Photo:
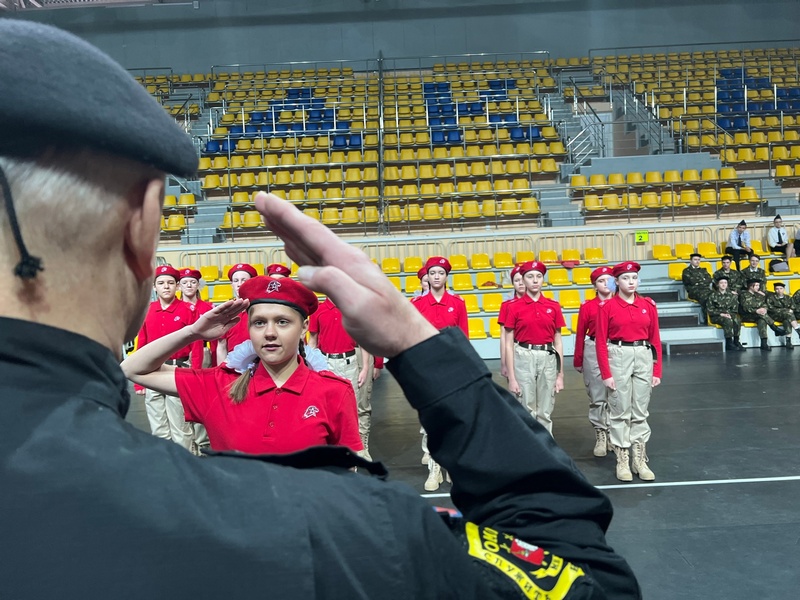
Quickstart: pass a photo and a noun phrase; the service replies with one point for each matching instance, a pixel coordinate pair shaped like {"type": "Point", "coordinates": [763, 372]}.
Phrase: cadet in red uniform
{"type": "Point", "coordinates": [278, 271]}
{"type": "Point", "coordinates": [585, 361]}
{"type": "Point", "coordinates": [237, 274]}
{"type": "Point", "coordinates": [629, 356]}
{"type": "Point", "coordinates": [166, 315]}
{"type": "Point", "coordinates": [344, 358]}
{"type": "Point", "coordinates": [279, 405]}
{"type": "Point", "coordinates": [442, 309]}
{"type": "Point", "coordinates": [424, 282]}
{"type": "Point", "coordinates": [519, 291]}
{"type": "Point", "coordinates": [534, 350]}
{"type": "Point", "coordinates": [189, 284]}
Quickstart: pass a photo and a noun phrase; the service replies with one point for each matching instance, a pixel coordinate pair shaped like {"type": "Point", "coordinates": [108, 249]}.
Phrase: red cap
{"type": "Point", "coordinates": [514, 272]}
{"type": "Point", "coordinates": [421, 273]}
{"type": "Point", "coordinates": [599, 272]}
{"type": "Point", "coordinates": [532, 265]}
{"type": "Point", "coordinates": [190, 273]}
{"type": "Point", "coordinates": [626, 267]}
{"type": "Point", "coordinates": [242, 267]}
{"type": "Point", "coordinates": [438, 261]}
{"type": "Point", "coordinates": [278, 269]}
{"type": "Point", "coordinates": [168, 270]}
{"type": "Point", "coordinates": [263, 289]}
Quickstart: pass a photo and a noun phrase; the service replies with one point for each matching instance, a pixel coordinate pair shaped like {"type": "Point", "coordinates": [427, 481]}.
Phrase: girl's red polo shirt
{"type": "Point", "coordinates": [310, 409]}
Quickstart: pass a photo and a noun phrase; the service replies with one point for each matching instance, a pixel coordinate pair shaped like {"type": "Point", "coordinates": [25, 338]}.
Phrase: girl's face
{"type": "Point", "coordinates": [276, 331]}
{"type": "Point", "coordinates": [189, 286]}
{"type": "Point", "coordinates": [533, 282]}
{"type": "Point", "coordinates": [627, 283]}
{"type": "Point", "coordinates": [166, 287]}
{"type": "Point", "coordinates": [437, 278]}
{"type": "Point", "coordinates": [519, 285]}
{"type": "Point", "coordinates": [425, 283]}
{"type": "Point", "coordinates": [237, 280]}
{"type": "Point", "coordinates": [602, 285]}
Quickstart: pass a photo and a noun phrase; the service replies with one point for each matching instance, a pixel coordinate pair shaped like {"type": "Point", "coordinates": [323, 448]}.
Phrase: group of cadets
{"type": "Point", "coordinates": [731, 296]}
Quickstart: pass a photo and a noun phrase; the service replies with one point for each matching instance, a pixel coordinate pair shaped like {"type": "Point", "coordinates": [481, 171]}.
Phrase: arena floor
{"type": "Point", "coordinates": [722, 519]}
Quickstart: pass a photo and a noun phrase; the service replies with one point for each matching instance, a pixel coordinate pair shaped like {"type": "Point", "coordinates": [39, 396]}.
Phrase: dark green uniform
{"type": "Point", "coordinates": [735, 280]}
{"type": "Point", "coordinates": [796, 302]}
{"type": "Point", "coordinates": [725, 302]}
{"type": "Point", "coordinates": [780, 308]}
{"type": "Point", "coordinates": [697, 282]}
{"type": "Point", "coordinates": [758, 274]}
{"type": "Point", "coordinates": [749, 303]}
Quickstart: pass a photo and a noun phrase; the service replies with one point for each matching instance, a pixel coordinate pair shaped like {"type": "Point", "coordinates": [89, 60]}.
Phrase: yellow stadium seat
{"type": "Point", "coordinates": [412, 212]}
{"type": "Point", "coordinates": [492, 302]}
{"type": "Point", "coordinates": [495, 330]}
{"type": "Point", "coordinates": [582, 276]}
{"type": "Point", "coordinates": [682, 251]}
{"type": "Point", "coordinates": [480, 261]}
{"type": "Point", "coordinates": [484, 280]}
{"type": "Point", "coordinates": [675, 271]}
{"type": "Point", "coordinates": [390, 264]}
{"type": "Point", "coordinates": [412, 264]}
{"type": "Point", "coordinates": [252, 220]}
{"type": "Point", "coordinates": [471, 303]}
{"type": "Point", "coordinates": [395, 281]}
{"type": "Point", "coordinates": [524, 256]}
{"type": "Point", "coordinates": [708, 250]}
{"type": "Point", "coordinates": [749, 194]}
{"type": "Point", "coordinates": [477, 331]}
{"type": "Point", "coordinates": [558, 277]}
{"type": "Point", "coordinates": [231, 220]}
{"type": "Point", "coordinates": [170, 201]}
{"type": "Point", "coordinates": [175, 223]}
{"type": "Point", "coordinates": [431, 211]}
{"type": "Point", "coordinates": [209, 273]}
{"type": "Point", "coordinates": [548, 256]}
{"type": "Point", "coordinates": [663, 252]}
{"type": "Point", "coordinates": [412, 284]}
{"type": "Point", "coordinates": [458, 262]}
{"type": "Point", "coordinates": [502, 260]}
{"type": "Point", "coordinates": [370, 214]}
{"type": "Point", "coordinates": [222, 292]}
{"type": "Point", "coordinates": [462, 282]}
{"type": "Point", "coordinates": [594, 255]}
{"type": "Point", "coordinates": [569, 299]}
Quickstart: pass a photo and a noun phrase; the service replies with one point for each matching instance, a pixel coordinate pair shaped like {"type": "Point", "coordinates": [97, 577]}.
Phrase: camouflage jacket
{"type": "Point", "coordinates": [749, 302]}
{"type": "Point", "coordinates": [719, 302]}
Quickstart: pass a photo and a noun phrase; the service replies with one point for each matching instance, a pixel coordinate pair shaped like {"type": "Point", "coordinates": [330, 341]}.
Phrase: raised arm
{"type": "Point", "coordinates": [146, 366]}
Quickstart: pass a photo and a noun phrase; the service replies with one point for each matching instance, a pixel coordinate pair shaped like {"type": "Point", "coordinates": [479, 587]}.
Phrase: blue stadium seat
{"type": "Point", "coordinates": [794, 93]}
{"type": "Point", "coordinates": [437, 137]}
{"type": "Point", "coordinates": [256, 117]}
{"type": "Point", "coordinates": [737, 95]}
{"type": "Point", "coordinates": [313, 126]}
{"type": "Point", "coordinates": [339, 142]}
{"type": "Point", "coordinates": [511, 84]}
{"type": "Point", "coordinates": [293, 93]}
{"type": "Point", "coordinates": [212, 147]}
{"type": "Point", "coordinates": [510, 118]}
{"type": "Point", "coordinates": [476, 108]}
{"type": "Point", "coordinates": [328, 114]}
{"type": "Point", "coordinates": [342, 125]}
{"type": "Point", "coordinates": [434, 122]}
{"type": "Point", "coordinates": [725, 123]}
{"type": "Point", "coordinates": [428, 87]}
{"type": "Point", "coordinates": [355, 141]}
{"type": "Point", "coordinates": [534, 133]}
{"type": "Point", "coordinates": [463, 108]}
{"type": "Point", "coordinates": [495, 118]}
{"type": "Point", "coordinates": [251, 130]}
{"type": "Point", "coordinates": [443, 86]}
{"type": "Point", "coordinates": [737, 107]}
{"type": "Point", "coordinates": [281, 127]}
{"type": "Point", "coordinates": [327, 125]}
{"type": "Point", "coordinates": [447, 110]}
{"type": "Point", "coordinates": [495, 84]}
{"type": "Point", "coordinates": [315, 115]}
{"type": "Point", "coordinates": [783, 105]}
{"type": "Point", "coordinates": [723, 96]}
{"type": "Point", "coordinates": [766, 106]}
{"type": "Point", "coordinates": [236, 131]}
{"type": "Point", "coordinates": [739, 124]}
{"type": "Point", "coordinates": [227, 146]}
{"type": "Point", "coordinates": [449, 122]}
{"type": "Point", "coordinates": [517, 134]}
{"type": "Point", "coordinates": [454, 136]}
{"type": "Point", "coordinates": [297, 127]}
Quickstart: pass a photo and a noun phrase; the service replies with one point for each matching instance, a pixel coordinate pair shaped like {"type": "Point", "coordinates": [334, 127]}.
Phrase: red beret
{"type": "Point", "coordinates": [532, 265]}
{"type": "Point", "coordinates": [263, 289]}
{"type": "Point", "coordinates": [514, 272]}
{"type": "Point", "coordinates": [191, 273]}
{"type": "Point", "coordinates": [167, 270]}
{"type": "Point", "coordinates": [438, 261]}
{"type": "Point", "coordinates": [626, 267]}
{"type": "Point", "coordinates": [242, 267]}
{"type": "Point", "coordinates": [278, 269]}
{"type": "Point", "coordinates": [599, 272]}
{"type": "Point", "coordinates": [421, 273]}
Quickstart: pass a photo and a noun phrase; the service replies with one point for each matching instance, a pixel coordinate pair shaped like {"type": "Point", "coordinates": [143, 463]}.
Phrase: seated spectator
{"type": "Point", "coordinates": [735, 279]}
{"type": "Point", "coordinates": [696, 280]}
{"type": "Point", "coordinates": [781, 308]}
{"type": "Point", "coordinates": [755, 272]}
{"type": "Point", "coordinates": [753, 309]}
{"type": "Point", "coordinates": [723, 309]}
{"type": "Point", "coordinates": [778, 239]}
{"type": "Point", "coordinates": [739, 244]}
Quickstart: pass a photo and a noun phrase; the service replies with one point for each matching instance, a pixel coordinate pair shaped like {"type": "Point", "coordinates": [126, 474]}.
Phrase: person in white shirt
{"type": "Point", "coordinates": [739, 243]}
{"type": "Point", "coordinates": [778, 239]}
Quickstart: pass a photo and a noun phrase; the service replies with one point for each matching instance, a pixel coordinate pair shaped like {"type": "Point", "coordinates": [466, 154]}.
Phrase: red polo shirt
{"type": "Point", "coordinates": [501, 318]}
{"type": "Point", "coordinates": [327, 323]}
{"type": "Point", "coordinates": [587, 325]}
{"type": "Point", "coordinates": [450, 311]}
{"type": "Point", "coordinates": [201, 307]}
{"type": "Point", "coordinates": [618, 320]}
{"type": "Point", "coordinates": [534, 321]}
{"type": "Point", "coordinates": [163, 321]}
{"type": "Point", "coordinates": [310, 409]}
{"type": "Point", "coordinates": [238, 333]}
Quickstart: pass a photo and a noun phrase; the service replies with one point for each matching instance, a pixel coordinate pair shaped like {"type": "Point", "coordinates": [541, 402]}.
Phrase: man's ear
{"type": "Point", "coordinates": [143, 227]}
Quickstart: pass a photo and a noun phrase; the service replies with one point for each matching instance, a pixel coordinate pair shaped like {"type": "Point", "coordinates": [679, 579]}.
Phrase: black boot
{"type": "Point", "coordinates": [789, 345]}
{"type": "Point", "coordinates": [738, 344]}
{"type": "Point", "coordinates": [765, 345]}
{"type": "Point", "coordinates": [729, 345]}
{"type": "Point", "coordinates": [779, 331]}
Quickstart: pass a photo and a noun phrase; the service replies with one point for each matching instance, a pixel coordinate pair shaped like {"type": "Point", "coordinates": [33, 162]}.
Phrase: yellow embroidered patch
{"type": "Point", "coordinates": [539, 574]}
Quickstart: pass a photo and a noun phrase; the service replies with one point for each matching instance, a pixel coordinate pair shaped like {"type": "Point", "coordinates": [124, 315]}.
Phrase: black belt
{"type": "Point", "coordinates": [342, 355]}
{"type": "Point", "coordinates": [177, 362]}
{"type": "Point", "coordinates": [545, 347]}
{"type": "Point", "coordinates": [644, 343]}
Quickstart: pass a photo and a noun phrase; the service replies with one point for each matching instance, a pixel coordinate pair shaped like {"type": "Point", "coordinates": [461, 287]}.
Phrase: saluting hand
{"type": "Point", "coordinates": [374, 313]}
{"type": "Point", "coordinates": [216, 322]}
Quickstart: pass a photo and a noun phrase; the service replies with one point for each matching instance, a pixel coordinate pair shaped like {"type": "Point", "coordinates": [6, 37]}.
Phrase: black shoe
{"type": "Point", "coordinates": [729, 345]}
{"type": "Point", "coordinates": [779, 331]}
{"type": "Point", "coordinates": [789, 345]}
{"type": "Point", "coordinates": [738, 345]}
{"type": "Point", "coordinates": [765, 345]}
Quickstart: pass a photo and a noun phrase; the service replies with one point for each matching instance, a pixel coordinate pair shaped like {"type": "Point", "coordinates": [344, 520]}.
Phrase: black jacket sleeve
{"type": "Point", "coordinates": [508, 473]}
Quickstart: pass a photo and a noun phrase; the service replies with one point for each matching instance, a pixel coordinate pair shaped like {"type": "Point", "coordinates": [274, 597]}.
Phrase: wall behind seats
{"type": "Point", "coordinates": [257, 31]}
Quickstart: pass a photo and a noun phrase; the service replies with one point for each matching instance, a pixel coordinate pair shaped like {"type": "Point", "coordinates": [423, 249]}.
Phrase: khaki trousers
{"type": "Point", "coordinates": [536, 372]}
{"type": "Point", "coordinates": [166, 417]}
{"type": "Point", "coordinates": [632, 369]}
{"type": "Point", "coordinates": [598, 398]}
{"type": "Point", "coordinates": [349, 368]}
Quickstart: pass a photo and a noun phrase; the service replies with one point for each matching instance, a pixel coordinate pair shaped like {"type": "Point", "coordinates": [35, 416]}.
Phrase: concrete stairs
{"type": "Point", "coordinates": [557, 210]}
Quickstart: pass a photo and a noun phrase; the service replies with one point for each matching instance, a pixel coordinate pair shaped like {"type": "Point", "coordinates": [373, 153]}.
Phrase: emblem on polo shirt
{"type": "Point", "coordinates": [450, 309]}
{"type": "Point", "coordinates": [549, 310]}
{"type": "Point", "coordinates": [311, 411]}
{"type": "Point", "coordinates": [176, 319]}
{"type": "Point", "coordinates": [273, 286]}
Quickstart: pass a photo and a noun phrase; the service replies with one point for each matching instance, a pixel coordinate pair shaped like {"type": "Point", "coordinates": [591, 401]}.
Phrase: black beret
{"type": "Point", "coordinates": [779, 284]}
{"type": "Point", "coordinates": [752, 280]}
{"type": "Point", "coordinates": [693, 254]}
{"type": "Point", "coordinates": [57, 89]}
{"type": "Point", "coordinates": [722, 276]}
